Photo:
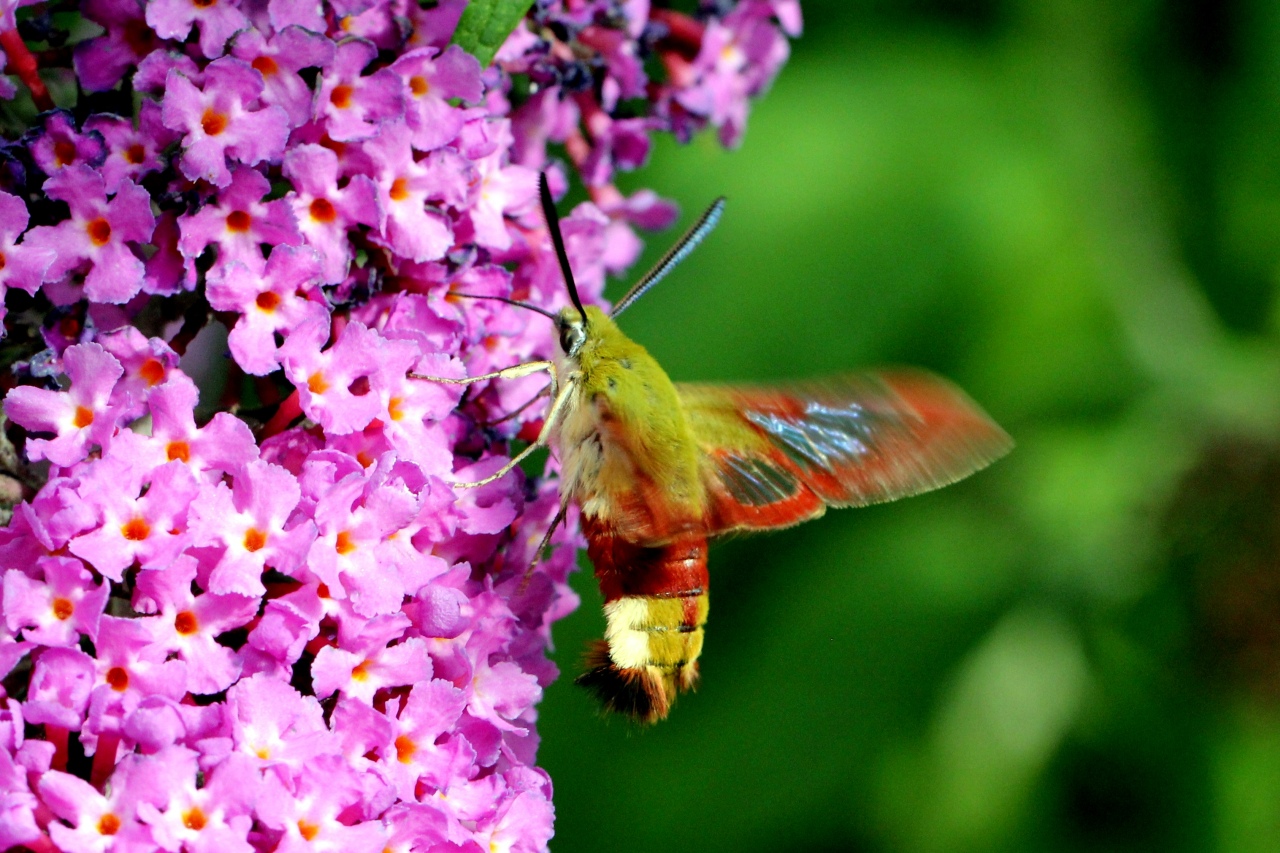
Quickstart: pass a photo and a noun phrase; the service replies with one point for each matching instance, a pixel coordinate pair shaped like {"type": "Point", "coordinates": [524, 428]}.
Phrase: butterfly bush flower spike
{"type": "Point", "coordinates": [236, 574]}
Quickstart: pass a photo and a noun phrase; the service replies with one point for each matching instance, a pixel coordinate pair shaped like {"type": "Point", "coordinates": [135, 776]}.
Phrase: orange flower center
{"type": "Point", "coordinates": [266, 65]}
{"type": "Point", "coordinates": [135, 529]}
{"type": "Point", "coordinates": [64, 152]}
{"type": "Point", "coordinates": [322, 210]}
{"type": "Point", "coordinates": [186, 623]}
{"type": "Point", "coordinates": [99, 231]}
{"type": "Point", "coordinates": [135, 154]}
{"type": "Point", "coordinates": [344, 544]}
{"type": "Point", "coordinates": [308, 830]}
{"type": "Point", "coordinates": [340, 97]}
{"type": "Point", "coordinates": [108, 824]}
{"type": "Point", "coordinates": [238, 221]}
{"type": "Point", "coordinates": [118, 678]}
{"type": "Point", "coordinates": [152, 371]}
{"type": "Point", "coordinates": [399, 189]}
{"type": "Point", "coordinates": [193, 818]}
{"type": "Point", "coordinates": [254, 540]}
{"type": "Point", "coordinates": [268, 301]}
{"type": "Point", "coordinates": [419, 86]}
{"type": "Point", "coordinates": [316, 383]}
{"type": "Point", "coordinates": [214, 122]}
{"type": "Point", "coordinates": [83, 417]}
{"type": "Point", "coordinates": [178, 450]}
{"type": "Point", "coordinates": [405, 748]}
{"type": "Point", "coordinates": [62, 609]}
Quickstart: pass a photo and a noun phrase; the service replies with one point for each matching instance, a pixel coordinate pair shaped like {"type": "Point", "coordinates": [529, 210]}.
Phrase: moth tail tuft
{"type": "Point", "coordinates": [645, 694]}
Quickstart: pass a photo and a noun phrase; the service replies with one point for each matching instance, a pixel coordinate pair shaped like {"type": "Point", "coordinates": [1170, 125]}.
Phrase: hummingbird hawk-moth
{"type": "Point", "coordinates": [658, 469]}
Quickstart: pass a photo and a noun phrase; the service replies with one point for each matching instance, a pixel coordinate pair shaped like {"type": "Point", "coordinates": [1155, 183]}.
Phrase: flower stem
{"type": "Point", "coordinates": [22, 63]}
{"type": "Point", "coordinates": [104, 759]}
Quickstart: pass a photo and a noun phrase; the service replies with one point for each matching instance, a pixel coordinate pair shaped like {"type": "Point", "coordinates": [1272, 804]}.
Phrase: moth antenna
{"type": "Point", "coordinates": [553, 225]}
{"type": "Point", "coordinates": [515, 302]}
{"type": "Point", "coordinates": [677, 253]}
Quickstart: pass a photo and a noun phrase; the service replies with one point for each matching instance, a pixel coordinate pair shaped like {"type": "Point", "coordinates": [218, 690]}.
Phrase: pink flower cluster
{"type": "Point", "coordinates": [269, 621]}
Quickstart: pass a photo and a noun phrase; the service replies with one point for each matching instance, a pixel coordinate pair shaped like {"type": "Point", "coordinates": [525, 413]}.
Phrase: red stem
{"type": "Point", "coordinates": [288, 412]}
{"type": "Point", "coordinates": [104, 760]}
{"type": "Point", "coordinates": [59, 737]}
{"type": "Point", "coordinates": [22, 63]}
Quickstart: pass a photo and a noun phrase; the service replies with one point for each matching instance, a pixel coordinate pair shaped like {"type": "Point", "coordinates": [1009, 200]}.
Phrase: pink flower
{"type": "Point", "coordinates": [56, 610]}
{"type": "Point", "coordinates": [221, 121]}
{"type": "Point", "coordinates": [21, 265]}
{"type": "Point", "coordinates": [98, 232]}
{"type": "Point", "coordinates": [61, 145]}
{"type": "Point", "coordinates": [431, 80]}
{"type": "Point", "coordinates": [283, 297]}
{"type": "Point", "coordinates": [173, 19]}
{"type": "Point", "coordinates": [325, 210]}
{"type": "Point", "coordinates": [80, 417]}
{"type": "Point", "coordinates": [239, 224]}
{"type": "Point", "coordinates": [351, 105]}
{"type": "Point", "coordinates": [247, 524]}
{"type": "Point", "coordinates": [244, 581]}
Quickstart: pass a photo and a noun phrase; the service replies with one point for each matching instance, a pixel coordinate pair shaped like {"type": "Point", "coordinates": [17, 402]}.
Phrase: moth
{"type": "Point", "coordinates": [659, 469]}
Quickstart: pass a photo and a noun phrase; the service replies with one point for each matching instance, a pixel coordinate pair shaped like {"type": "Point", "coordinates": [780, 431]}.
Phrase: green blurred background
{"type": "Point", "coordinates": [1073, 210]}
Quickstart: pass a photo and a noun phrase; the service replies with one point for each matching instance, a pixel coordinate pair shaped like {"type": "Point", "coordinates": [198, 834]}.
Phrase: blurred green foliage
{"type": "Point", "coordinates": [1072, 208]}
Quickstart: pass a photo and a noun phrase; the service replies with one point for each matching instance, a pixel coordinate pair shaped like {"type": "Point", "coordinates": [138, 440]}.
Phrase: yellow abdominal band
{"type": "Point", "coordinates": [666, 633]}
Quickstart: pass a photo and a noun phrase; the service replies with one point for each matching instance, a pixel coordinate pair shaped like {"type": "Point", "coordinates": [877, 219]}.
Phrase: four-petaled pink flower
{"type": "Point", "coordinates": [221, 120]}
{"type": "Point", "coordinates": [98, 233]}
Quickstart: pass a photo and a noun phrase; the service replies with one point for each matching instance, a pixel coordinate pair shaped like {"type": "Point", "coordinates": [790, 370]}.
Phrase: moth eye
{"type": "Point", "coordinates": [571, 338]}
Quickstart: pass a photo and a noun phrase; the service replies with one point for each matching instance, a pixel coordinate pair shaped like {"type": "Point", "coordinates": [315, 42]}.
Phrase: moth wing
{"type": "Point", "coordinates": [772, 457]}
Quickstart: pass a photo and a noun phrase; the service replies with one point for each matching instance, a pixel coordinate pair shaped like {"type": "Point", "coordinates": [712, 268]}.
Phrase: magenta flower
{"type": "Point", "coordinates": [131, 153]}
{"type": "Point", "coordinates": [173, 19]}
{"type": "Point", "coordinates": [247, 523]}
{"type": "Point", "coordinates": [278, 300]}
{"type": "Point", "coordinates": [405, 185]}
{"type": "Point", "coordinates": [244, 580]}
{"type": "Point", "coordinates": [351, 105]}
{"type": "Point", "coordinates": [324, 210]}
{"type": "Point", "coordinates": [188, 625]}
{"type": "Point", "coordinates": [279, 59]}
{"type": "Point", "coordinates": [132, 672]}
{"type": "Point", "coordinates": [61, 145]}
{"type": "Point", "coordinates": [57, 609]}
{"type": "Point", "coordinates": [80, 417]}
{"type": "Point", "coordinates": [101, 62]}
{"type": "Point", "coordinates": [98, 233]}
{"type": "Point", "coordinates": [239, 224]}
{"type": "Point", "coordinates": [21, 266]}
{"type": "Point", "coordinates": [221, 121]}
{"type": "Point", "coordinates": [431, 80]}
{"type": "Point", "coordinates": [139, 526]}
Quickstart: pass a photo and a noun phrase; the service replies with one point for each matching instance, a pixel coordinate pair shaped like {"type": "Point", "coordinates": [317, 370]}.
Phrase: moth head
{"type": "Point", "coordinates": [572, 329]}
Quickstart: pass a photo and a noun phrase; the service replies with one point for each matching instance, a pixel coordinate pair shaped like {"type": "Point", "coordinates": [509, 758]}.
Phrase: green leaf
{"type": "Point", "coordinates": [485, 25]}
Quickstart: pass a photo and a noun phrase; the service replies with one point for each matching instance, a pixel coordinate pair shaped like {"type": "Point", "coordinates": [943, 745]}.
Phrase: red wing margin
{"type": "Point", "coordinates": [773, 457]}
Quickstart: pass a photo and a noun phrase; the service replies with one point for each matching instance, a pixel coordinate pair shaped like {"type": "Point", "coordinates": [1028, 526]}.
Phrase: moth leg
{"type": "Point", "coordinates": [512, 372]}
{"type": "Point", "coordinates": [513, 413]}
{"type": "Point", "coordinates": [544, 437]}
{"type": "Point", "coordinates": [546, 539]}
